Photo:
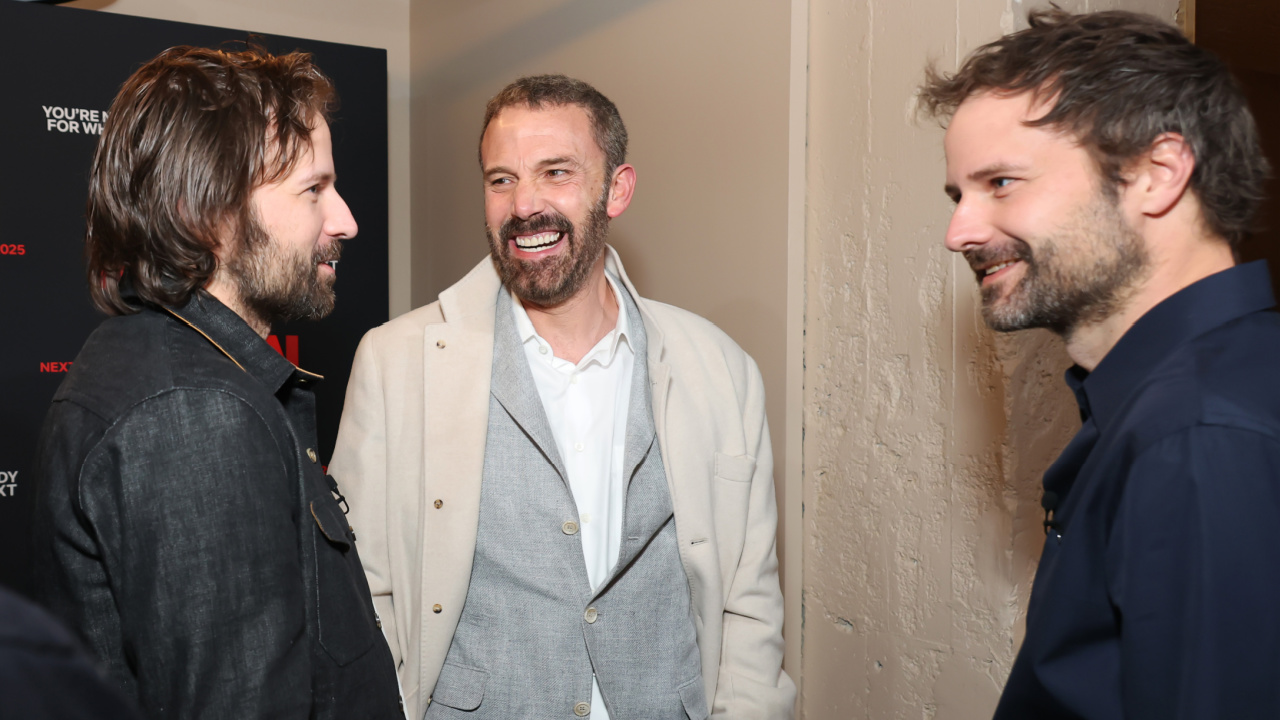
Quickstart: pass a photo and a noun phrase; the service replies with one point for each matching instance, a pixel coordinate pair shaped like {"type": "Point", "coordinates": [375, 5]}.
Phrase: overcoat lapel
{"type": "Point", "coordinates": [457, 359]}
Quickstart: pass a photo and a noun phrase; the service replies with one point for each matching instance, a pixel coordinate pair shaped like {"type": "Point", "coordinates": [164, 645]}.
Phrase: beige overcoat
{"type": "Point", "coordinates": [410, 454]}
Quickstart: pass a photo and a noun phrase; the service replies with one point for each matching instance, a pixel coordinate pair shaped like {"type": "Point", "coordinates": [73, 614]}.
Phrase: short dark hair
{"type": "Point", "coordinates": [1118, 80]}
{"type": "Point", "coordinates": [189, 137]}
{"type": "Point", "coordinates": [538, 91]}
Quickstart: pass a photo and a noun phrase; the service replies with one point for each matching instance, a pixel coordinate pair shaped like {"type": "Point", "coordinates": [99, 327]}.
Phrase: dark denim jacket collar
{"type": "Point", "coordinates": [1187, 314]}
{"type": "Point", "coordinates": [231, 335]}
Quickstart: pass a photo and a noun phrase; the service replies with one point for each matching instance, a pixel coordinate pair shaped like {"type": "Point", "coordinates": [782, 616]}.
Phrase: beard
{"type": "Point", "coordinates": [1081, 275]}
{"type": "Point", "coordinates": [278, 283]}
{"type": "Point", "coordinates": [551, 281]}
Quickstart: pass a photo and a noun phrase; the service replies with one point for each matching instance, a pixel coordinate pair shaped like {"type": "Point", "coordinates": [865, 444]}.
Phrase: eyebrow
{"type": "Point", "coordinates": [500, 169]}
{"type": "Point", "coordinates": [977, 176]}
{"type": "Point", "coordinates": [325, 176]}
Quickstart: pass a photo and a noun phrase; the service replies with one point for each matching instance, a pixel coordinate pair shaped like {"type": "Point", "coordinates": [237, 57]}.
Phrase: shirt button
{"type": "Point", "coordinates": [440, 344]}
{"type": "Point", "coordinates": [569, 527]}
{"type": "Point", "coordinates": [578, 447]}
{"type": "Point", "coordinates": [437, 609]}
{"type": "Point", "coordinates": [590, 615]}
{"type": "Point", "coordinates": [439, 504]}
{"type": "Point", "coordinates": [542, 349]}
{"type": "Point", "coordinates": [582, 709]}
{"type": "Point", "coordinates": [573, 380]}
{"type": "Point", "coordinates": [311, 453]}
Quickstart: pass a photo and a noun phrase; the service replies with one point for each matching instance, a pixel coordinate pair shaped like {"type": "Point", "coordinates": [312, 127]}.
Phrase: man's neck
{"type": "Point", "coordinates": [1088, 344]}
{"type": "Point", "coordinates": [573, 327]}
{"type": "Point", "coordinates": [228, 295]}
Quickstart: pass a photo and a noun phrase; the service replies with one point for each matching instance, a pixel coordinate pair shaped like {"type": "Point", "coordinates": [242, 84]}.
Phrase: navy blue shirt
{"type": "Point", "coordinates": [1158, 592]}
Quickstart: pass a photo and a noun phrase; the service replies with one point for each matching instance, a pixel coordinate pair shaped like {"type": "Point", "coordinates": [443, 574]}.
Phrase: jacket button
{"type": "Point", "coordinates": [569, 527]}
{"type": "Point", "coordinates": [440, 344]}
{"type": "Point", "coordinates": [378, 622]}
{"type": "Point", "coordinates": [437, 609]}
{"type": "Point", "coordinates": [439, 504]}
{"type": "Point", "coordinates": [311, 453]}
{"type": "Point", "coordinates": [590, 615]}
{"type": "Point", "coordinates": [582, 709]}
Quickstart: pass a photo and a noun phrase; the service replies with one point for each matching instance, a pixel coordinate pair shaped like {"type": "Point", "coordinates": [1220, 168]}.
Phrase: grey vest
{"type": "Point", "coordinates": [531, 631]}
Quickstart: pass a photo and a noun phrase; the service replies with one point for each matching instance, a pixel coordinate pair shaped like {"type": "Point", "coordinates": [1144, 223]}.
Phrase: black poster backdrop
{"type": "Point", "coordinates": [59, 70]}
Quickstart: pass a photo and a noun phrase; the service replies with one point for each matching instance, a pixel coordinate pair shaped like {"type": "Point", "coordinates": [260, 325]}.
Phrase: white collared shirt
{"type": "Point", "coordinates": [586, 405]}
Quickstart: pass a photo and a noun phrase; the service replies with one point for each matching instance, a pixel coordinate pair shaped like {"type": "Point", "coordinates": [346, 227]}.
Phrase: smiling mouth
{"type": "Point", "coordinates": [538, 242]}
{"type": "Point", "coordinates": [988, 272]}
{"type": "Point", "coordinates": [331, 263]}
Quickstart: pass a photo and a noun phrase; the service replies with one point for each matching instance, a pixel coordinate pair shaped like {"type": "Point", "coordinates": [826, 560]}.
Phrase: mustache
{"type": "Point", "coordinates": [328, 253]}
{"type": "Point", "coordinates": [536, 224]}
{"type": "Point", "coordinates": [986, 256]}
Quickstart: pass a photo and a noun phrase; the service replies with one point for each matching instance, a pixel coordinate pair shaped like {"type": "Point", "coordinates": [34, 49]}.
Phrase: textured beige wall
{"type": "Point", "coordinates": [924, 434]}
{"type": "Point", "coordinates": [371, 23]}
{"type": "Point", "coordinates": [703, 88]}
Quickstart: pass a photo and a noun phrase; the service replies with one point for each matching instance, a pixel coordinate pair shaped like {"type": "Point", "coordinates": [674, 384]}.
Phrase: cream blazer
{"type": "Point", "coordinates": [410, 454]}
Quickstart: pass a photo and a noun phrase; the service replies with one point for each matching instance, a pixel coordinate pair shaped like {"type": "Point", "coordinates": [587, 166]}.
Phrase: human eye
{"type": "Point", "coordinates": [1000, 183]}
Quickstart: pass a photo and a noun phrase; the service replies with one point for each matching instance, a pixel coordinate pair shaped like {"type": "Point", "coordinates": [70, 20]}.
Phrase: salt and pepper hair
{"type": "Point", "coordinates": [539, 91]}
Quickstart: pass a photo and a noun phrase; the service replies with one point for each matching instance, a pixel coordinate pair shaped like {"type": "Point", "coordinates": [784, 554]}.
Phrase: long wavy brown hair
{"type": "Point", "coordinates": [189, 137]}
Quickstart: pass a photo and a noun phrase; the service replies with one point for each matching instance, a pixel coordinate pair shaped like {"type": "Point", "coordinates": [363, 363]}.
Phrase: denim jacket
{"type": "Point", "coordinates": [186, 530]}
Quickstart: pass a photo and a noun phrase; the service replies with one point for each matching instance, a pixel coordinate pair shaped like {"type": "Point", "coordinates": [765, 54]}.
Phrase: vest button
{"type": "Point", "coordinates": [437, 609]}
{"type": "Point", "coordinates": [569, 527]}
{"type": "Point", "coordinates": [590, 615]}
{"type": "Point", "coordinates": [582, 709]}
{"type": "Point", "coordinates": [439, 504]}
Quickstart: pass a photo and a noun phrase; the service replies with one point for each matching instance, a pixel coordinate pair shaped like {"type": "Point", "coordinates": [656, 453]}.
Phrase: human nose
{"type": "Point", "coordinates": [527, 201]}
{"type": "Point", "coordinates": [969, 227]}
{"type": "Point", "coordinates": [339, 222]}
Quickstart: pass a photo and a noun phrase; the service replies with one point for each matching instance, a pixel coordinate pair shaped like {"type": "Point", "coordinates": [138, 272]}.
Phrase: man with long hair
{"type": "Point", "coordinates": [184, 526]}
{"type": "Point", "coordinates": [1104, 171]}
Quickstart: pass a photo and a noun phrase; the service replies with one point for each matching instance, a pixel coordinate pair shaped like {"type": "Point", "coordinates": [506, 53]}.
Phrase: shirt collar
{"type": "Point", "coordinates": [611, 341]}
{"type": "Point", "coordinates": [231, 335]}
{"type": "Point", "coordinates": [1187, 314]}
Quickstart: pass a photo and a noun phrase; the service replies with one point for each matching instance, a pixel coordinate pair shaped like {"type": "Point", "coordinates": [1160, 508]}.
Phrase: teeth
{"type": "Point", "coordinates": [332, 263]}
{"type": "Point", "coordinates": [998, 268]}
{"type": "Point", "coordinates": [528, 242]}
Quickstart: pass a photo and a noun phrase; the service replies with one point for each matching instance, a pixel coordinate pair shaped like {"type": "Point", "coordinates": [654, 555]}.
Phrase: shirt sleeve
{"type": "Point", "coordinates": [1192, 566]}
{"type": "Point", "coordinates": [192, 504]}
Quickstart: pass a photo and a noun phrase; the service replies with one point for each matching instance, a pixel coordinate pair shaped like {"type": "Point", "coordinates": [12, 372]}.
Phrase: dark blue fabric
{"type": "Point", "coordinates": [1158, 592]}
{"type": "Point", "coordinates": [186, 531]}
{"type": "Point", "coordinates": [44, 675]}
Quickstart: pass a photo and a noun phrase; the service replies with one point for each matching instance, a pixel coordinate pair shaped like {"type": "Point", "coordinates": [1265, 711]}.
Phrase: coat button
{"type": "Point", "coordinates": [439, 504]}
{"type": "Point", "coordinates": [569, 527]}
{"type": "Point", "coordinates": [582, 709]}
{"type": "Point", "coordinates": [436, 609]}
{"type": "Point", "coordinates": [311, 453]}
{"type": "Point", "coordinates": [590, 615]}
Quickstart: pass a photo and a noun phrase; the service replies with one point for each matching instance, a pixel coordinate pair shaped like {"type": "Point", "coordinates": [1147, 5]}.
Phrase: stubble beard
{"type": "Point", "coordinates": [279, 284]}
{"type": "Point", "coordinates": [1082, 276]}
{"type": "Point", "coordinates": [551, 281]}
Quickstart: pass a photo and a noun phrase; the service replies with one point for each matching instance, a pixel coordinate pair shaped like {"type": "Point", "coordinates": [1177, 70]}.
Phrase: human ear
{"type": "Point", "coordinates": [1162, 174]}
{"type": "Point", "coordinates": [621, 186]}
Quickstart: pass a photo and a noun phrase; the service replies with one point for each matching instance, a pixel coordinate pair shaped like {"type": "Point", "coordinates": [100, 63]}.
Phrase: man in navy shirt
{"type": "Point", "coordinates": [1104, 172]}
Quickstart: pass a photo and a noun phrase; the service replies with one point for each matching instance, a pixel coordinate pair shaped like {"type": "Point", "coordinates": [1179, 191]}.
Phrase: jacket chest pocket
{"type": "Point", "coordinates": [347, 628]}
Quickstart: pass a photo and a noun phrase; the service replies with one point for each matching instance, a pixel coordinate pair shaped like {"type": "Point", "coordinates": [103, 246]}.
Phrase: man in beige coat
{"type": "Point", "coordinates": [517, 573]}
